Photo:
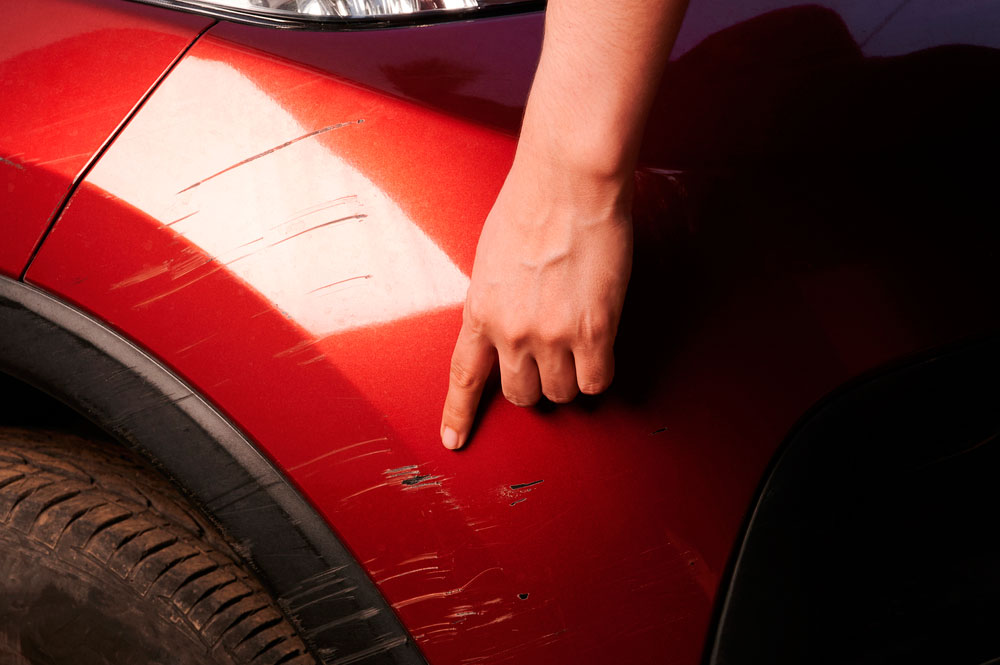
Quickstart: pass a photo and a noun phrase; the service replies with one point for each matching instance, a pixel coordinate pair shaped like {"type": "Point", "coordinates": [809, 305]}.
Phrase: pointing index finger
{"type": "Point", "coordinates": [471, 363]}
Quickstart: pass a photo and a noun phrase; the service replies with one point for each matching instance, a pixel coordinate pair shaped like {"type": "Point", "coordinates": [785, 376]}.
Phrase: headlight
{"type": "Point", "coordinates": [341, 14]}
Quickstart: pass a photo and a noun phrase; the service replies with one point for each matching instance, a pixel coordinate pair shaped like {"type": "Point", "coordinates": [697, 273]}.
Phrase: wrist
{"type": "Point", "coordinates": [596, 152]}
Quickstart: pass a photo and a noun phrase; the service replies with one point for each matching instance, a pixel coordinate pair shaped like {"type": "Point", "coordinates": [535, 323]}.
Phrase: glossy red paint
{"type": "Point", "coordinates": [70, 72]}
{"type": "Point", "coordinates": [479, 70]}
{"type": "Point", "coordinates": [296, 246]}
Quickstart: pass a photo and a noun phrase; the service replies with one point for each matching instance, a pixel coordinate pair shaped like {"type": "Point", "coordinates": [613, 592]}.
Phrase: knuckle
{"type": "Point", "coordinates": [453, 413]}
{"type": "Point", "coordinates": [462, 378]}
{"type": "Point", "coordinates": [552, 336]}
{"type": "Point", "coordinates": [595, 385]}
{"type": "Point", "coordinates": [475, 316]}
{"type": "Point", "coordinates": [519, 400]}
{"type": "Point", "coordinates": [560, 398]}
{"type": "Point", "coordinates": [595, 330]}
{"type": "Point", "coordinates": [514, 338]}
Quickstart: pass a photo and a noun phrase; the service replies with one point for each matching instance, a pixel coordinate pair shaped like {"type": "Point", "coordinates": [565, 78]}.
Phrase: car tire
{"type": "Point", "coordinates": [102, 562]}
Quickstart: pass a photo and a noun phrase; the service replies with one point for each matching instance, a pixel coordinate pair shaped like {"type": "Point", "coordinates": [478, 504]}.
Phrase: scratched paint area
{"type": "Point", "coordinates": [304, 270]}
{"type": "Point", "coordinates": [276, 205]}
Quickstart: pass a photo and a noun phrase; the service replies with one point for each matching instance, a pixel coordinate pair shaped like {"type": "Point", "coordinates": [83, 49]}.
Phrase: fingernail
{"type": "Point", "coordinates": [449, 438]}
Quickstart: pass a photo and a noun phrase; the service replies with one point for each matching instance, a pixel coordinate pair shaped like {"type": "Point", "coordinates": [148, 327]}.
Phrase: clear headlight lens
{"type": "Point", "coordinates": [323, 10]}
{"type": "Point", "coordinates": [350, 8]}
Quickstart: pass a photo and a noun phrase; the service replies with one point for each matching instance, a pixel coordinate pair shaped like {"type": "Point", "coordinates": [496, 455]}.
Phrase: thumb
{"type": "Point", "coordinates": [471, 363]}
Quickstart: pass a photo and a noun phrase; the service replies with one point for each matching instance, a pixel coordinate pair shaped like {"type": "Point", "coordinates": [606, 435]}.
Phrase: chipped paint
{"type": "Point", "coordinates": [419, 480]}
{"type": "Point", "coordinates": [411, 478]}
{"type": "Point", "coordinates": [381, 451]}
{"type": "Point", "coordinates": [8, 162]}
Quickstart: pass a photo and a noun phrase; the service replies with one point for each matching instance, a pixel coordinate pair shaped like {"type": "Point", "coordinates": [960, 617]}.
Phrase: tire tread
{"type": "Point", "coordinates": [82, 499]}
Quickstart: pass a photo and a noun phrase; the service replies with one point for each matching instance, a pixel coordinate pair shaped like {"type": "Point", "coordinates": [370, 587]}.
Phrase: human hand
{"type": "Point", "coordinates": [547, 289]}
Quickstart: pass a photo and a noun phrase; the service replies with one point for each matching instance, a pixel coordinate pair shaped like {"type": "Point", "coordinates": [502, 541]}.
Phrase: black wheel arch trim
{"type": "Point", "coordinates": [131, 396]}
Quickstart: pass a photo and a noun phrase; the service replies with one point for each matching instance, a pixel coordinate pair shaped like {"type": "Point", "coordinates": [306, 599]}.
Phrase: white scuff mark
{"type": "Point", "coordinates": [374, 452]}
{"type": "Point", "coordinates": [364, 491]}
{"type": "Point", "coordinates": [442, 594]}
{"type": "Point", "coordinates": [336, 452]}
{"type": "Point", "coordinates": [143, 275]}
{"type": "Point", "coordinates": [499, 619]}
{"type": "Point", "coordinates": [408, 572]}
{"type": "Point", "coordinates": [422, 557]}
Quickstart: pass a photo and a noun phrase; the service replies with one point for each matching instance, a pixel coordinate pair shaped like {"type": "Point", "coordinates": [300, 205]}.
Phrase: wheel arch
{"type": "Point", "coordinates": [131, 396]}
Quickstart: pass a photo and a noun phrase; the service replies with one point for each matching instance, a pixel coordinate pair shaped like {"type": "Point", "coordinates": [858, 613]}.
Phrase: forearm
{"type": "Point", "coordinates": [555, 253]}
{"type": "Point", "coordinates": [598, 74]}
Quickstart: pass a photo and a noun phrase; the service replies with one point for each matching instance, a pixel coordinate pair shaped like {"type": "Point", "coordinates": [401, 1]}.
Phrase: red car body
{"type": "Point", "coordinates": [286, 220]}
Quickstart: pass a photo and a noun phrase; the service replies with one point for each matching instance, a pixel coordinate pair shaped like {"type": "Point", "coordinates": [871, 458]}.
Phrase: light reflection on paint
{"type": "Point", "coordinates": [264, 196]}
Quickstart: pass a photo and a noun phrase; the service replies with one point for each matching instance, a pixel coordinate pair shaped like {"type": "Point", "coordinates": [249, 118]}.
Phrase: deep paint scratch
{"type": "Point", "coordinates": [365, 491]}
{"type": "Point", "coordinates": [247, 244]}
{"type": "Point", "coordinates": [274, 149]}
{"type": "Point", "coordinates": [443, 594]}
{"type": "Point", "coordinates": [142, 276]}
{"type": "Point", "coordinates": [422, 557]}
{"type": "Point", "coordinates": [523, 485]}
{"type": "Point", "coordinates": [181, 219]}
{"type": "Point", "coordinates": [178, 289]}
{"type": "Point", "coordinates": [19, 167]}
{"type": "Point", "coordinates": [349, 279]}
{"type": "Point", "coordinates": [358, 216]}
{"type": "Point", "coordinates": [292, 350]}
{"type": "Point", "coordinates": [417, 480]}
{"type": "Point", "coordinates": [326, 205]}
{"type": "Point", "coordinates": [334, 452]}
{"type": "Point", "coordinates": [499, 619]}
{"type": "Point", "coordinates": [408, 572]}
{"type": "Point", "coordinates": [184, 349]}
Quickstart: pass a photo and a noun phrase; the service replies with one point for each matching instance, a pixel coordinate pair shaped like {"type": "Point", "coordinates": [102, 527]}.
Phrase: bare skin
{"type": "Point", "coordinates": [555, 253]}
